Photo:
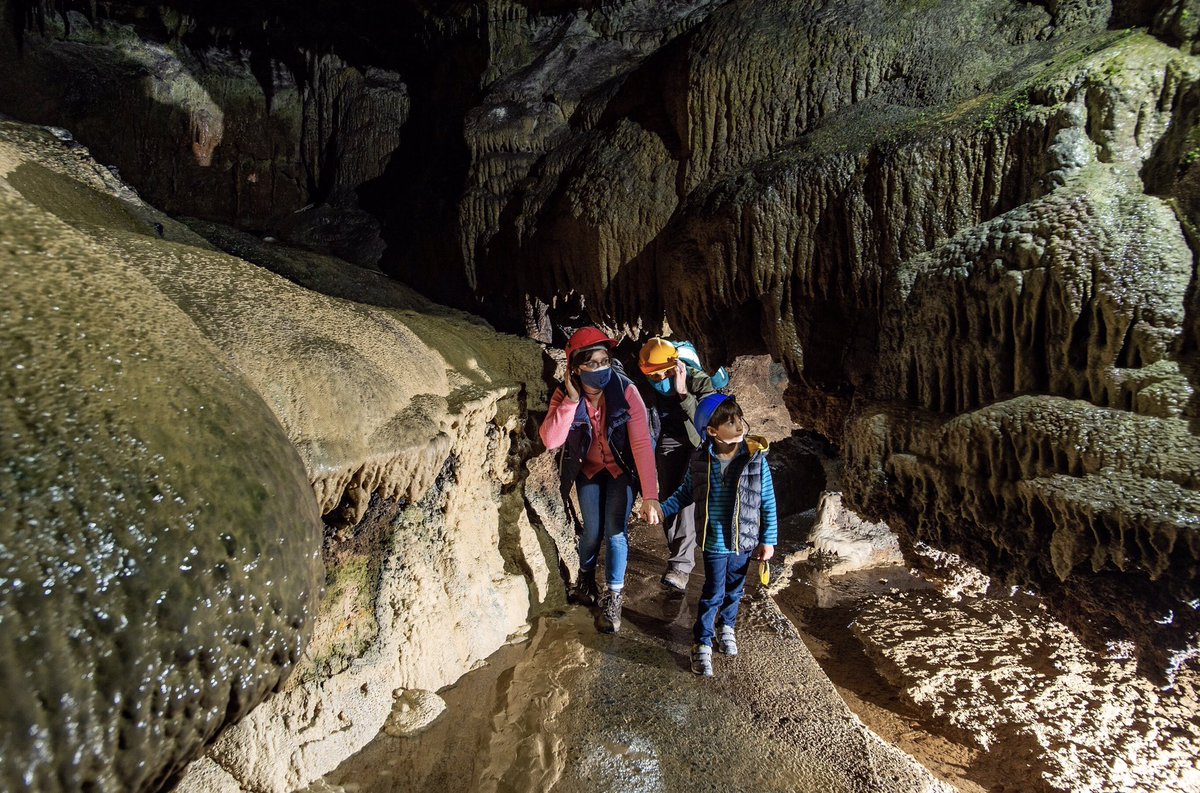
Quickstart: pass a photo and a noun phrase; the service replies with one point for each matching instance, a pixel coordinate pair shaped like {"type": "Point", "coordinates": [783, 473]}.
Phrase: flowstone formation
{"type": "Point", "coordinates": [189, 427]}
{"type": "Point", "coordinates": [159, 541]}
{"type": "Point", "coordinates": [1079, 298]}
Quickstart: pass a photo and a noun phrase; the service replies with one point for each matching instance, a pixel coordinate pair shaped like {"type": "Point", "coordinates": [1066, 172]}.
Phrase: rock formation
{"type": "Point", "coordinates": [928, 239]}
{"type": "Point", "coordinates": [966, 229]}
{"type": "Point", "coordinates": [214, 130]}
{"type": "Point", "coordinates": [176, 420]}
{"type": "Point", "coordinates": [159, 541]}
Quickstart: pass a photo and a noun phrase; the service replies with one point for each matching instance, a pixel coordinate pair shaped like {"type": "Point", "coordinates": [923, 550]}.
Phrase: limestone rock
{"type": "Point", "coordinates": [857, 544]}
{"type": "Point", "coordinates": [759, 385]}
{"type": "Point", "coordinates": [234, 135]}
{"type": "Point", "coordinates": [997, 675]}
{"type": "Point", "coordinates": [159, 541]}
{"type": "Point", "coordinates": [413, 711]}
{"type": "Point", "coordinates": [1068, 487]}
{"type": "Point", "coordinates": [394, 402]}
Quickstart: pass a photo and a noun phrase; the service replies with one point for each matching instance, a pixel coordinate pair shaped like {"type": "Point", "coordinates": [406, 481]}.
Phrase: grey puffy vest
{"type": "Point", "coordinates": [747, 510]}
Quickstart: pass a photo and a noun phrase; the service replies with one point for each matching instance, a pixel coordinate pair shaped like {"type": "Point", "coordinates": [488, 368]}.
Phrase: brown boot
{"type": "Point", "coordinates": [585, 592]}
{"type": "Point", "coordinates": [675, 579]}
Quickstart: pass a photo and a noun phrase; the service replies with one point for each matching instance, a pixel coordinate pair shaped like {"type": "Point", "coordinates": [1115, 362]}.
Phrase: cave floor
{"type": "Point", "coordinates": [805, 706]}
{"type": "Point", "coordinates": [569, 709]}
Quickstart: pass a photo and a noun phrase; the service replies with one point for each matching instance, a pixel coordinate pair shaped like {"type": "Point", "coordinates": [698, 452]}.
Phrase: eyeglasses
{"type": "Point", "coordinates": [593, 364]}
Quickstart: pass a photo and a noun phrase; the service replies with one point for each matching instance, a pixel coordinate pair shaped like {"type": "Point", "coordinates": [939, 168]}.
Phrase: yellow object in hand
{"type": "Point", "coordinates": [764, 573]}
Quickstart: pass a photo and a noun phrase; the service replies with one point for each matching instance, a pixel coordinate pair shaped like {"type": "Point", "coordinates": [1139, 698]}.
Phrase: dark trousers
{"type": "Point", "coordinates": [724, 582]}
{"type": "Point", "coordinates": [671, 460]}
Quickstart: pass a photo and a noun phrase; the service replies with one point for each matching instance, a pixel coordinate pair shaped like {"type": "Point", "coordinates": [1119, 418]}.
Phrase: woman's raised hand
{"type": "Point", "coordinates": [680, 378]}
{"type": "Point", "coordinates": [572, 390]}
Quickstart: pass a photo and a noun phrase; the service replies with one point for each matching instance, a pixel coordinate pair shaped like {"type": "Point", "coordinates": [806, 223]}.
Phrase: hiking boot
{"type": "Point", "coordinates": [726, 641]}
{"type": "Point", "coordinates": [675, 579]}
{"type": "Point", "coordinates": [702, 660]}
{"type": "Point", "coordinates": [609, 618]}
{"type": "Point", "coordinates": [585, 592]}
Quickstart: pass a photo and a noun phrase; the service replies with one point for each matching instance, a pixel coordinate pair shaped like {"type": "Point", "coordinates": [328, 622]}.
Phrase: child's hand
{"type": "Point", "coordinates": [764, 552]}
{"type": "Point", "coordinates": [651, 512]}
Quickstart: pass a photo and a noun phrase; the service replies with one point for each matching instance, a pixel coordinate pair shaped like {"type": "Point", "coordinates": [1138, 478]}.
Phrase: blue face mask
{"type": "Point", "coordinates": [663, 386]}
{"type": "Point", "coordinates": [597, 379]}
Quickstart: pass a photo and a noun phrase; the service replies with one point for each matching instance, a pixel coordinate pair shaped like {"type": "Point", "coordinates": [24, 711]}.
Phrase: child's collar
{"type": "Point", "coordinates": [748, 445]}
{"type": "Point", "coordinates": [713, 452]}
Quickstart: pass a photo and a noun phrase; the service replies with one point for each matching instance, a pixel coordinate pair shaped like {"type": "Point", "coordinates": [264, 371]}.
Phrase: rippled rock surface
{"type": "Point", "coordinates": [159, 540]}
{"type": "Point", "coordinates": [177, 422]}
{"type": "Point", "coordinates": [965, 228]}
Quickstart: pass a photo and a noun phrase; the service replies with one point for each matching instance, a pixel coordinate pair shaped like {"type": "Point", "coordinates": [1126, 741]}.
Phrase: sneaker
{"type": "Point", "coordinates": [726, 641]}
{"type": "Point", "coordinates": [585, 592]}
{"type": "Point", "coordinates": [609, 618]}
{"type": "Point", "coordinates": [675, 579]}
{"type": "Point", "coordinates": [702, 660]}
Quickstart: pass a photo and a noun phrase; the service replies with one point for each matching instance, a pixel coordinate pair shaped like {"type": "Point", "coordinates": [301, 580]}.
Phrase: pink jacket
{"type": "Point", "coordinates": [557, 425]}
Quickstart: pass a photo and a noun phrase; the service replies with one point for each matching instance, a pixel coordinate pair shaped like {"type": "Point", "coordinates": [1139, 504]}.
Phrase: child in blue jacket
{"type": "Point", "coordinates": [730, 483]}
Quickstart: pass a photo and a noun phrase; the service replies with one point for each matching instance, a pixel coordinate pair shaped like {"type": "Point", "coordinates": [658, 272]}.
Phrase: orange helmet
{"type": "Point", "coordinates": [657, 356]}
{"type": "Point", "coordinates": [587, 337]}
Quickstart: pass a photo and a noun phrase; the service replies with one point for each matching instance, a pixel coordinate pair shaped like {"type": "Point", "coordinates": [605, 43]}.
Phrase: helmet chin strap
{"type": "Point", "coordinates": [741, 437]}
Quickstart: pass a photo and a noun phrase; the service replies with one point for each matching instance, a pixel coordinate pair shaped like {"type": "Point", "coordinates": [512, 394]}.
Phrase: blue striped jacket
{"type": "Point", "coordinates": [735, 512]}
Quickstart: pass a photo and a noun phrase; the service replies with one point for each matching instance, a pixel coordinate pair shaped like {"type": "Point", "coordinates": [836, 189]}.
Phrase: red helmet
{"type": "Point", "coordinates": [587, 337]}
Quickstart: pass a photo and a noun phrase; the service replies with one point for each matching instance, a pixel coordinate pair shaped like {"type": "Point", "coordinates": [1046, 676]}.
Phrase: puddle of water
{"type": "Point", "coordinates": [499, 722]}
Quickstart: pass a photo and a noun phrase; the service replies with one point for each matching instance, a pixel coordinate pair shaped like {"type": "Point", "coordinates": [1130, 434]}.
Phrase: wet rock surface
{"type": "Point", "coordinates": [978, 683]}
{"type": "Point", "coordinates": [574, 710]}
{"type": "Point", "coordinates": [159, 566]}
{"type": "Point", "coordinates": [191, 424]}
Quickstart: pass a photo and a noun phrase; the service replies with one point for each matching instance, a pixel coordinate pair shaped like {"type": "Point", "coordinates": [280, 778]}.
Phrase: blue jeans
{"type": "Point", "coordinates": [605, 502]}
{"type": "Point", "coordinates": [724, 582]}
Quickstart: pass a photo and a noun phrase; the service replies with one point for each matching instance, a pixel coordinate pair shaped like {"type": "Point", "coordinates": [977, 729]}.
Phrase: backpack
{"type": "Point", "coordinates": [690, 356]}
{"type": "Point", "coordinates": [652, 417]}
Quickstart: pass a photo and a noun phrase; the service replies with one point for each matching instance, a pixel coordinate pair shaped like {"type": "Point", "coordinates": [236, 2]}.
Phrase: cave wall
{"type": "Point", "coordinates": [159, 540]}
{"type": "Point", "coordinates": [178, 422]}
{"type": "Point", "coordinates": [931, 213]}
{"type": "Point", "coordinates": [973, 253]}
{"type": "Point", "coordinates": [213, 130]}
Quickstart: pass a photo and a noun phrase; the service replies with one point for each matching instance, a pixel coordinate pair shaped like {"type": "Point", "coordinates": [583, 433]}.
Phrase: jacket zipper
{"type": "Point", "coordinates": [737, 512]}
{"type": "Point", "coordinates": [707, 499]}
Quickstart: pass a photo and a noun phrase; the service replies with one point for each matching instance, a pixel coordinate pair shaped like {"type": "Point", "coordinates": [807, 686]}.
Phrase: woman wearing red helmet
{"type": "Point", "coordinates": [600, 420]}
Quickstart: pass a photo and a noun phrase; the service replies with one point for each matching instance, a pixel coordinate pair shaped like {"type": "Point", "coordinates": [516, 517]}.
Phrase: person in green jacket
{"type": "Point", "coordinates": [676, 388]}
